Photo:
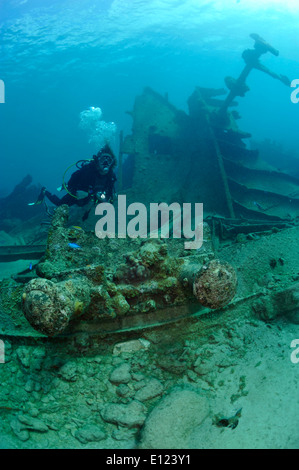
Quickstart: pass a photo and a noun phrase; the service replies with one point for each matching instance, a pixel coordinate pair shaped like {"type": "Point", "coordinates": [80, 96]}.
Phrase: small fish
{"type": "Point", "coordinates": [76, 227]}
{"type": "Point", "coordinates": [74, 246]}
{"type": "Point", "coordinates": [30, 266]}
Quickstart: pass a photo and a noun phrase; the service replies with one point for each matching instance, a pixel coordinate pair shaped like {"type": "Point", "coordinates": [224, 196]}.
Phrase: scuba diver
{"type": "Point", "coordinates": [93, 181]}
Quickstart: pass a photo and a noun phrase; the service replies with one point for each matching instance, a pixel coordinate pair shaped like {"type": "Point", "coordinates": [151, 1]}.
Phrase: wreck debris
{"type": "Point", "coordinates": [205, 153]}
{"type": "Point", "coordinates": [215, 285]}
{"type": "Point", "coordinates": [148, 279]}
{"type": "Point", "coordinates": [49, 306]}
{"type": "Point", "coordinates": [226, 228]}
{"type": "Point", "coordinates": [251, 57]}
{"type": "Point", "coordinates": [16, 252]}
{"type": "Point", "coordinates": [14, 208]}
{"type": "Point", "coordinates": [286, 301]}
{"type": "Point", "coordinates": [208, 162]}
{"type": "Point", "coordinates": [130, 347]}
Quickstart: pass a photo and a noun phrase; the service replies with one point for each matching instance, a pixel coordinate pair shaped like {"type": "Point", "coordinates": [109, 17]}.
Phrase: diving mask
{"type": "Point", "coordinates": [104, 162]}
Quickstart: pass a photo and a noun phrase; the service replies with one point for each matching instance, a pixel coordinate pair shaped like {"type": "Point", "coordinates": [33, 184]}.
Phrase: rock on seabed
{"type": "Point", "coordinates": [171, 422]}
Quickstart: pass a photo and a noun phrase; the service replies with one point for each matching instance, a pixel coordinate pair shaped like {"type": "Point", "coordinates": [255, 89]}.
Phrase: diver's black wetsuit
{"type": "Point", "coordinates": [86, 179]}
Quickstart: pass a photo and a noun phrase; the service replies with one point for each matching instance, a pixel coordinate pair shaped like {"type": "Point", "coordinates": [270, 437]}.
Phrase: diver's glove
{"type": "Point", "coordinates": [40, 198]}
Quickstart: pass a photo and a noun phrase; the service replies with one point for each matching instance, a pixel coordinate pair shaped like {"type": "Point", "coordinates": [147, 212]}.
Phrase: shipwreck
{"type": "Point", "coordinates": [246, 265]}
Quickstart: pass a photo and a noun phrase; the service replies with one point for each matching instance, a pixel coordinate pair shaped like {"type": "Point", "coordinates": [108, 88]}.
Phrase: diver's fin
{"type": "Point", "coordinates": [40, 198]}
